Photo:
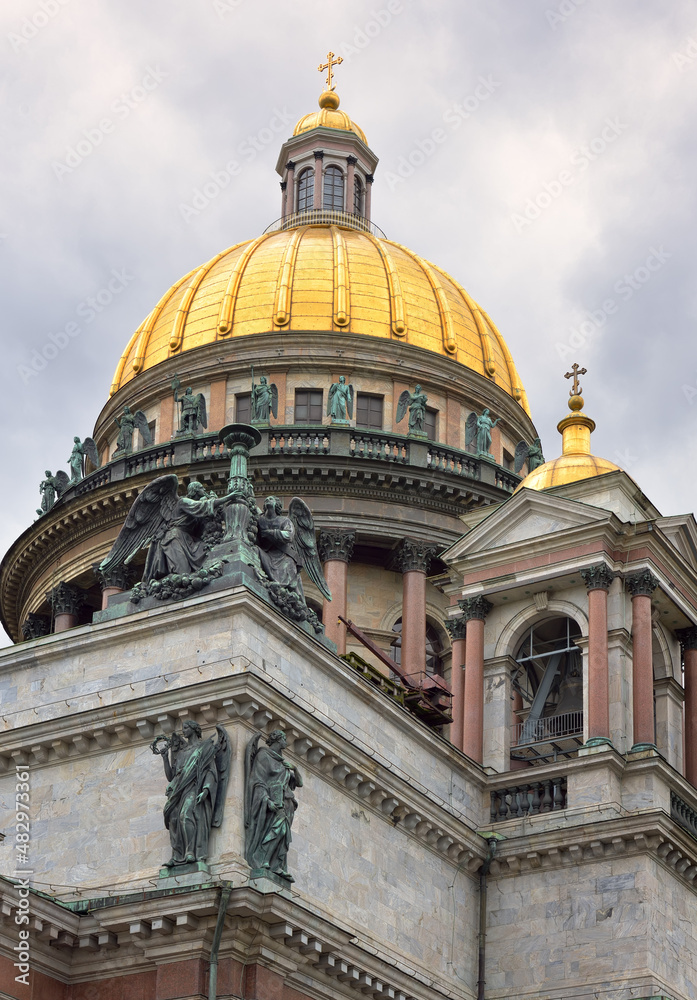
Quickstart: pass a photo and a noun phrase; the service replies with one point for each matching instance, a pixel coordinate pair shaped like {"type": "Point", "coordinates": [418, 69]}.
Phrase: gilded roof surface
{"type": "Point", "coordinates": [321, 277]}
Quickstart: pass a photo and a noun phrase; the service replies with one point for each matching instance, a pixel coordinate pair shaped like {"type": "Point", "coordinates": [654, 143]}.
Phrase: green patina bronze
{"type": "Point", "coordinates": [269, 806]}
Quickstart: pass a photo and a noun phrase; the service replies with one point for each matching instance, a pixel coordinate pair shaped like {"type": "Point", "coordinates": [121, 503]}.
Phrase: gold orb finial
{"type": "Point", "coordinates": [329, 99]}
{"type": "Point", "coordinates": [575, 403]}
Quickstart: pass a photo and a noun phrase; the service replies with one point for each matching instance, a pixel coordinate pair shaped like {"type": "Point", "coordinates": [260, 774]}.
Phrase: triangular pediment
{"type": "Point", "coordinates": [526, 516]}
{"type": "Point", "coordinates": [681, 532]}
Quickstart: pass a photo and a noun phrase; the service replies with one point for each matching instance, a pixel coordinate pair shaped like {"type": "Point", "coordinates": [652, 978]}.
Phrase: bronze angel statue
{"type": "Point", "coordinates": [171, 525]}
{"type": "Point", "coordinates": [287, 545]}
{"type": "Point", "coordinates": [340, 400]}
{"type": "Point", "coordinates": [415, 402]}
{"type": "Point", "coordinates": [264, 400]}
{"type": "Point", "coordinates": [197, 771]}
{"type": "Point", "coordinates": [532, 453]}
{"type": "Point", "coordinates": [193, 408]}
{"type": "Point", "coordinates": [478, 432]}
{"type": "Point", "coordinates": [81, 451]}
{"type": "Point", "coordinates": [127, 424]}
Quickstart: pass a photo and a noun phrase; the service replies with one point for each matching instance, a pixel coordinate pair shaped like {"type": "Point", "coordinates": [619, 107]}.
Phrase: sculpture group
{"type": "Point", "coordinates": [198, 771]}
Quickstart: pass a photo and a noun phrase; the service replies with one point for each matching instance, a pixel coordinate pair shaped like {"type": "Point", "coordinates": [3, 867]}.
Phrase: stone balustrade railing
{"type": "Point", "coordinates": [528, 799]}
{"type": "Point", "coordinates": [331, 440]}
{"type": "Point", "coordinates": [683, 814]}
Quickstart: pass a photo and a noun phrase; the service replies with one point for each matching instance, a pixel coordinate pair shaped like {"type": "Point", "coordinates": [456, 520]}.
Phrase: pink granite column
{"type": "Point", "coordinates": [66, 600]}
{"type": "Point", "coordinates": [641, 585]}
{"type": "Point", "coordinates": [350, 180]}
{"type": "Point", "coordinates": [413, 559]}
{"type": "Point", "coordinates": [688, 637]}
{"type": "Point", "coordinates": [114, 582]}
{"type": "Point", "coordinates": [335, 550]}
{"type": "Point", "coordinates": [290, 190]}
{"type": "Point", "coordinates": [474, 611]}
{"type": "Point", "coordinates": [284, 188]}
{"type": "Point", "coordinates": [317, 197]}
{"type": "Point", "coordinates": [457, 627]}
{"type": "Point", "coordinates": [598, 580]}
{"type": "Point", "coordinates": [368, 194]}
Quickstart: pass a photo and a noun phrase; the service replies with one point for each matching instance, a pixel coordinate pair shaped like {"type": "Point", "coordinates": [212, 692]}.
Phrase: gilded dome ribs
{"type": "Point", "coordinates": [342, 301]}
{"type": "Point", "coordinates": [118, 374]}
{"type": "Point", "coordinates": [394, 285]}
{"type": "Point", "coordinates": [284, 289]}
{"type": "Point", "coordinates": [176, 339]}
{"type": "Point", "coordinates": [227, 306]}
{"type": "Point", "coordinates": [487, 351]}
{"type": "Point", "coordinates": [517, 390]}
{"type": "Point", "coordinates": [446, 319]}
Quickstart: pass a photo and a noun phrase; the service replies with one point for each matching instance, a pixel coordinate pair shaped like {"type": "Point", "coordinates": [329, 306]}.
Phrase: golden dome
{"type": "Point", "coordinates": [329, 116]}
{"type": "Point", "coordinates": [321, 277]}
{"type": "Point", "coordinates": [576, 461]}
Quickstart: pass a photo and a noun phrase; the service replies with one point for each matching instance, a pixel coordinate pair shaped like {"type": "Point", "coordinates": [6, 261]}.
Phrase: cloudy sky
{"type": "Point", "coordinates": [544, 152]}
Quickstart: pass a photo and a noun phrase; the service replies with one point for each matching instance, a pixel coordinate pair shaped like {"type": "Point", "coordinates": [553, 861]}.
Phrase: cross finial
{"type": "Point", "coordinates": [331, 62]}
{"type": "Point", "coordinates": [574, 374]}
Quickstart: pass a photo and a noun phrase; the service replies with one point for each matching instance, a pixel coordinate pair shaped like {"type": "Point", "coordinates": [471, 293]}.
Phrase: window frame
{"type": "Point", "coordinates": [310, 403]}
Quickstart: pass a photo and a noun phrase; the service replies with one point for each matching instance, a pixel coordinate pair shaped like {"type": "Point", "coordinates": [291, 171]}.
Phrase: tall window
{"type": "Point", "coordinates": [306, 190]}
{"type": "Point", "coordinates": [308, 406]}
{"type": "Point", "coordinates": [357, 196]}
{"type": "Point", "coordinates": [333, 189]}
{"type": "Point", "coordinates": [243, 408]}
{"type": "Point", "coordinates": [431, 424]}
{"type": "Point", "coordinates": [434, 648]}
{"type": "Point", "coordinates": [369, 411]}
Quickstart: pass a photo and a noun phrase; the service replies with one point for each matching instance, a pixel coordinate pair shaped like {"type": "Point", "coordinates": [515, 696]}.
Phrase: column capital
{"type": "Point", "coordinates": [336, 545]}
{"type": "Point", "coordinates": [598, 577]}
{"type": "Point", "coordinates": [457, 627]}
{"type": "Point", "coordinates": [369, 178]}
{"type": "Point", "coordinates": [475, 607]}
{"type": "Point", "coordinates": [412, 556]}
{"type": "Point", "coordinates": [687, 637]}
{"type": "Point", "coordinates": [284, 185]}
{"type": "Point", "coordinates": [35, 626]}
{"type": "Point", "coordinates": [65, 599]}
{"type": "Point", "coordinates": [319, 154]}
{"type": "Point", "coordinates": [641, 584]}
{"type": "Point", "coordinates": [118, 576]}
{"type": "Point", "coordinates": [290, 165]}
{"type": "Point", "coordinates": [352, 160]}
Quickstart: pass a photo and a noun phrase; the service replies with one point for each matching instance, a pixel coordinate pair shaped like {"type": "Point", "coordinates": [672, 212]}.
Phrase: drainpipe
{"type": "Point", "coordinates": [491, 841]}
{"type": "Point", "coordinates": [220, 923]}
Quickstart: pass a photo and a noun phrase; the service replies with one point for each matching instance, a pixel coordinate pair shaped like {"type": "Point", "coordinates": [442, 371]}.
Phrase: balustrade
{"type": "Point", "coordinates": [529, 799]}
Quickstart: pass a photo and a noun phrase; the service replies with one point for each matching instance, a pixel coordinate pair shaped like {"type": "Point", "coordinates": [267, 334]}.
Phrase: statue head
{"type": "Point", "coordinates": [126, 409]}
{"type": "Point", "coordinates": [277, 736]}
{"type": "Point", "coordinates": [48, 475]}
{"type": "Point", "coordinates": [417, 388]}
{"type": "Point", "coordinates": [76, 440]}
{"type": "Point", "coordinates": [485, 413]}
{"type": "Point", "coordinates": [275, 504]}
{"type": "Point", "coordinates": [189, 390]}
{"type": "Point", "coordinates": [262, 380]}
{"type": "Point", "coordinates": [191, 728]}
{"type": "Point", "coordinates": [342, 379]}
{"type": "Point", "coordinates": [196, 490]}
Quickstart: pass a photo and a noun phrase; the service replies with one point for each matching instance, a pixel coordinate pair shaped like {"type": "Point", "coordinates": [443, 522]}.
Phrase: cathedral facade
{"type": "Point", "coordinates": [458, 760]}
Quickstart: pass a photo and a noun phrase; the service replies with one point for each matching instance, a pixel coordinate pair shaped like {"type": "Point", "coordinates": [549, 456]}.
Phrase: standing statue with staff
{"type": "Point", "coordinates": [193, 409]}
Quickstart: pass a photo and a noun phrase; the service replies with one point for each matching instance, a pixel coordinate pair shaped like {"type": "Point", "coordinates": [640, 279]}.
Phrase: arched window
{"type": "Point", "coordinates": [306, 190]}
{"type": "Point", "coordinates": [357, 196]}
{"type": "Point", "coordinates": [333, 198]}
{"type": "Point", "coordinates": [549, 684]}
{"type": "Point", "coordinates": [434, 648]}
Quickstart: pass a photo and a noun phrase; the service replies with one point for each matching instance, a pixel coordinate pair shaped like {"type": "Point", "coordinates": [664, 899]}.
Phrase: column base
{"type": "Point", "coordinates": [643, 747]}
{"type": "Point", "coordinates": [598, 741]}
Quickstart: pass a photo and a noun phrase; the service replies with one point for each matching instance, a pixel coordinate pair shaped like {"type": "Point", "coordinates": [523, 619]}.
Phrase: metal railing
{"type": "Point", "coordinates": [529, 799]}
{"type": "Point", "coordinates": [549, 729]}
{"type": "Point", "coordinates": [325, 217]}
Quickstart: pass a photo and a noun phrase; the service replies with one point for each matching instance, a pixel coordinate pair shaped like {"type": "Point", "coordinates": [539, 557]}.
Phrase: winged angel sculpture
{"type": "Point", "coordinates": [532, 453]}
{"type": "Point", "coordinates": [171, 525]}
{"type": "Point", "coordinates": [127, 424]}
{"type": "Point", "coordinates": [193, 408]}
{"type": "Point", "coordinates": [286, 546]}
{"type": "Point", "coordinates": [340, 401]}
{"type": "Point", "coordinates": [81, 451]}
{"type": "Point", "coordinates": [415, 402]}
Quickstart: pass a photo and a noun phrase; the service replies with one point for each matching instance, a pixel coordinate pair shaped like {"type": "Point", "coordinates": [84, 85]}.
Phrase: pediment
{"type": "Point", "coordinates": [681, 532]}
{"type": "Point", "coordinates": [526, 516]}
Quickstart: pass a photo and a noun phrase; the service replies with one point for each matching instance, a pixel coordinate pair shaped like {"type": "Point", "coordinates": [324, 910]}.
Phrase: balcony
{"type": "Point", "coordinates": [326, 217]}
{"type": "Point", "coordinates": [552, 738]}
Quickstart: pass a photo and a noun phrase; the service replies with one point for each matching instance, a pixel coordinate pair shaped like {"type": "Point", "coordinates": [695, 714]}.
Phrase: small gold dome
{"type": "Point", "coordinates": [576, 461]}
{"type": "Point", "coordinates": [321, 277]}
{"type": "Point", "coordinates": [329, 116]}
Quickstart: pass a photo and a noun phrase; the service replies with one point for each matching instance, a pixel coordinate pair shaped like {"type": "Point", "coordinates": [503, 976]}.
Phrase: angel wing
{"type": "Point", "coordinates": [471, 430]}
{"type": "Point", "coordinates": [274, 399]}
{"type": "Point", "coordinates": [300, 515]}
{"type": "Point", "coordinates": [249, 756]}
{"type": "Point", "coordinates": [142, 425]}
{"type": "Point", "coordinates": [91, 452]}
{"type": "Point", "coordinates": [151, 510]}
{"type": "Point", "coordinates": [202, 415]}
{"type": "Point", "coordinates": [521, 456]}
{"type": "Point", "coordinates": [349, 403]}
{"type": "Point", "coordinates": [403, 405]}
{"type": "Point", "coordinates": [62, 481]}
{"type": "Point", "coordinates": [330, 397]}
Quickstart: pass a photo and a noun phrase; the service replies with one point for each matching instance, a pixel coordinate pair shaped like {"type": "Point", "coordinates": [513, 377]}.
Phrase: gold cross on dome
{"type": "Point", "coordinates": [331, 61]}
{"type": "Point", "coordinates": [574, 374]}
